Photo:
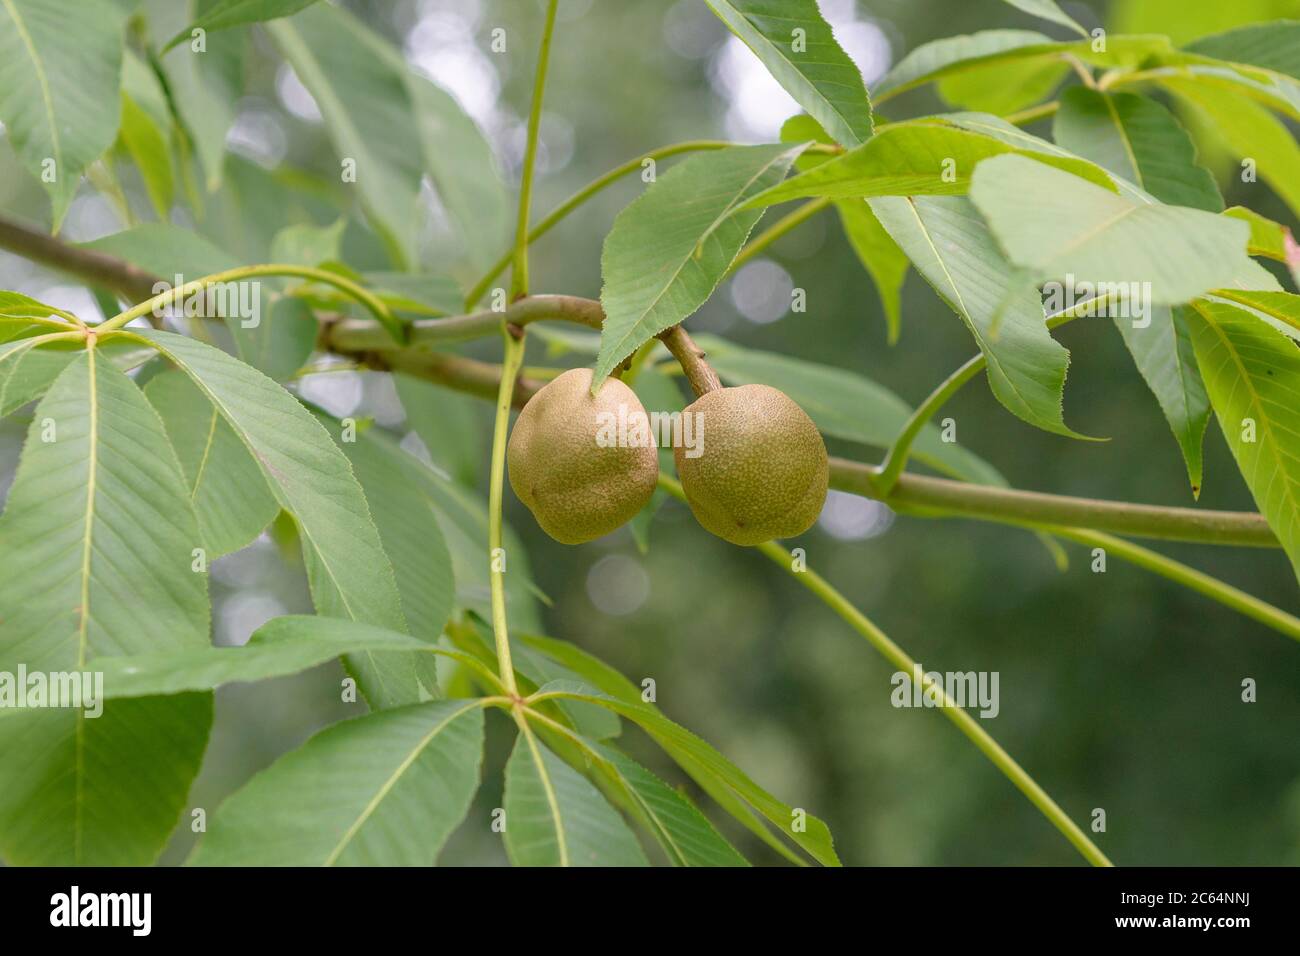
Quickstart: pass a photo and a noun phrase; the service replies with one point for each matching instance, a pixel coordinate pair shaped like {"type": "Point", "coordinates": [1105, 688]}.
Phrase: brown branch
{"type": "Point", "coordinates": [691, 358]}
{"type": "Point", "coordinates": [96, 268]}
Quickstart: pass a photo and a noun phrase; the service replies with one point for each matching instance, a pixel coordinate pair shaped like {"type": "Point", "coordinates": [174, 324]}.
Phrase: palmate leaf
{"type": "Point", "coordinates": [951, 247]}
{"type": "Point", "coordinates": [555, 817]}
{"type": "Point", "coordinates": [1164, 356]}
{"type": "Point", "coordinates": [60, 73]}
{"type": "Point", "coordinates": [349, 573]}
{"type": "Point", "coordinates": [1252, 373]}
{"type": "Point", "coordinates": [231, 500]}
{"type": "Point", "coordinates": [96, 541]}
{"type": "Point", "coordinates": [817, 73]}
{"type": "Point", "coordinates": [282, 646]}
{"type": "Point", "coordinates": [1138, 139]}
{"type": "Point", "coordinates": [386, 789]}
{"type": "Point", "coordinates": [927, 157]}
{"type": "Point", "coordinates": [669, 249]}
{"type": "Point", "coordinates": [27, 371]}
{"type": "Point", "coordinates": [1055, 226]}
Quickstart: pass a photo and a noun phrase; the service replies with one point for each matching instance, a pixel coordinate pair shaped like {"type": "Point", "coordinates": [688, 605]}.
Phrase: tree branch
{"type": "Point", "coordinates": [96, 268]}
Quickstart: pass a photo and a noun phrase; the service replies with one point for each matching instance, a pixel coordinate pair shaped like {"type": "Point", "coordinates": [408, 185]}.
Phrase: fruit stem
{"type": "Point", "coordinates": [514, 357]}
{"type": "Point", "coordinates": [691, 358]}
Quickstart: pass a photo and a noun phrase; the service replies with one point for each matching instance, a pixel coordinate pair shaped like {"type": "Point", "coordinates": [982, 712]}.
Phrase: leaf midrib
{"type": "Point", "coordinates": [38, 68]}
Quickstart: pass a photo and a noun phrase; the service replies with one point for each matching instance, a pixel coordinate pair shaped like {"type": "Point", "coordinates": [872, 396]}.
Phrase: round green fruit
{"type": "Point", "coordinates": [568, 465]}
{"type": "Point", "coordinates": [761, 471]}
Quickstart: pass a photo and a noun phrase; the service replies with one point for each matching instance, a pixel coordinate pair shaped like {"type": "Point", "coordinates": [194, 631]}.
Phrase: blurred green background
{"type": "Point", "coordinates": [1119, 690]}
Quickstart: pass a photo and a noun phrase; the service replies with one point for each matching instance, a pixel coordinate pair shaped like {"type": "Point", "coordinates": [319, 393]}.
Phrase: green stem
{"type": "Point", "coordinates": [581, 196]}
{"type": "Point", "coordinates": [514, 356]}
{"type": "Point", "coordinates": [900, 659]}
{"type": "Point", "coordinates": [896, 459]}
{"type": "Point", "coordinates": [519, 270]}
{"type": "Point", "coordinates": [376, 306]}
{"type": "Point", "coordinates": [1247, 604]}
{"type": "Point", "coordinates": [1033, 114]}
{"type": "Point", "coordinates": [777, 230]}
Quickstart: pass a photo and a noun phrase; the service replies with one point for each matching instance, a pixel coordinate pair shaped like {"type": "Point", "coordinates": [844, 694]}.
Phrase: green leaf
{"type": "Point", "coordinates": [669, 248]}
{"type": "Point", "coordinates": [1048, 10]}
{"type": "Point", "coordinates": [1267, 238]}
{"type": "Point", "coordinates": [282, 646]}
{"type": "Point", "coordinates": [397, 781]}
{"type": "Point", "coordinates": [1279, 309]}
{"type": "Point", "coordinates": [146, 134]}
{"type": "Point", "coordinates": [993, 50]}
{"type": "Point", "coordinates": [1056, 226]}
{"type": "Point", "coordinates": [205, 84]}
{"type": "Point", "coordinates": [425, 295]}
{"type": "Point", "coordinates": [1252, 373]}
{"type": "Point", "coordinates": [26, 372]}
{"type": "Point", "coordinates": [1248, 129]}
{"type": "Point", "coordinates": [1138, 139]}
{"type": "Point", "coordinates": [719, 777]}
{"type": "Point", "coordinates": [449, 425]}
{"type": "Point", "coordinates": [845, 405]}
{"type": "Point", "coordinates": [951, 247]}
{"type": "Point", "coordinates": [230, 497]}
{"type": "Point", "coordinates": [225, 14]}
{"type": "Point", "coordinates": [96, 541]}
{"type": "Point", "coordinates": [60, 73]}
{"type": "Point", "coordinates": [555, 817]}
{"type": "Point", "coordinates": [409, 530]}
{"type": "Point", "coordinates": [685, 834]}
{"type": "Point", "coordinates": [1162, 351]}
{"type": "Point", "coordinates": [880, 256]}
{"type": "Point", "coordinates": [1013, 86]}
{"type": "Point", "coordinates": [799, 50]}
{"type": "Point", "coordinates": [349, 573]}
{"type": "Point", "coordinates": [1273, 46]}
{"type": "Point", "coordinates": [367, 112]}
{"type": "Point", "coordinates": [929, 157]}
{"type": "Point", "coordinates": [308, 244]}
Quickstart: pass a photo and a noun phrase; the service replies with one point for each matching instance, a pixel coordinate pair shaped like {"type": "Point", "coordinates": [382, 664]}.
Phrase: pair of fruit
{"type": "Point", "coordinates": [761, 472]}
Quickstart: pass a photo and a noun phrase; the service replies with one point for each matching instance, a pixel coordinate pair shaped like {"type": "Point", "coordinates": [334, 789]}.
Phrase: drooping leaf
{"type": "Point", "coordinates": [1059, 227]}
{"type": "Point", "coordinates": [283, 645]}
{"type": "Point", "coordinates": [427, 295]}
{"type": "Point", "coordinates": [409, 529]}
{"type": "Point", "coordinates": [929, 157]}
{"type": "Point", "coordinates": [386, 789]}
{"type": "Point", "coordinates": [845, 405]}
{"type": "Point", "coordinates": [669, 248]}
{"type": "Point", "coordinates": [1249, 130]}
{"type": "Point", "coordinates": [951, 247]}
{"type": "Point", "coordinates": [719, 777]}
{"type": "Point", "coordinates": [880, 256]}
{"type": "Point", "coordinates": [799, 50]}
{"type": "Point", "coordinates": [555, 817]}
{"type": "Point", "coordinates": [230, 497]}
{"type": "Point", "coordinates": [1162, 351]}
{"type": "Point", "coordinates": [60, 76]}
{"type": "Point", "coordinates": [97, 542]}
{"type": "Point", "coordinates": [367, 112]}
{"type": "Point", "coordinates": [1138, 139]}
{"type": "Point", "coordinates": [225, 14]}
{"type": "Point", "coordinates": [1252, 374]}
{"type": "Point", "coordinates": [349, 573]}
{"type": "Point", "coordinates": [1273, 46]}
{"type": "Point", "coordinates": [146, 133]}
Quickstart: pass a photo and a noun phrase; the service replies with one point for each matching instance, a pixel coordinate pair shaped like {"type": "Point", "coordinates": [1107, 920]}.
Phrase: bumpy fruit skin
{"type": "Point", "coordinates": [577, 489]}
{"type": "Point", "coordinates": [763, 470]}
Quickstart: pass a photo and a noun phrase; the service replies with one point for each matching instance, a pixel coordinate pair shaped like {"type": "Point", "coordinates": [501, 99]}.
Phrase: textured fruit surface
{"type": "Point", "coordinates": [763, 471]}
{"type": "Point", "coordinates": [576, 488]}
